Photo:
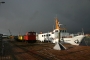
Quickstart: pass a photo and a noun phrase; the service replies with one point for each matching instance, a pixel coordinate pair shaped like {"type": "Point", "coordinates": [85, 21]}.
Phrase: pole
{"type": "Point", "coordinates": [1, 38]}
{"type": "Point", "coordinates": [59, 35]}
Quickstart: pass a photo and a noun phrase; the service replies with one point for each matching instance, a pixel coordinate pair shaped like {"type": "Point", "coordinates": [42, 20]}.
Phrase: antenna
{"type": "Point", "coordinates": [82, 31]}
{"type": "Point", "coordinates": [10, 32]}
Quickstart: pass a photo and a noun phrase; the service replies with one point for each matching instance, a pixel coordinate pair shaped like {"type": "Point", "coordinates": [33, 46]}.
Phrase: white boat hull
{"type": "Point", "coordinates": [74, 40]}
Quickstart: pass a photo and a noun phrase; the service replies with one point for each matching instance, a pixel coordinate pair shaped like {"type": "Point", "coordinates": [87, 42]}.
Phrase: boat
{"type": "Point", "coordinates": [60, 34]}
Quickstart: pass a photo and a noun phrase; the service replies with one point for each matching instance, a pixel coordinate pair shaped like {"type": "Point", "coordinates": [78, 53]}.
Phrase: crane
{"type": "Point", "coordinates": [10, 37]}
{"type": "Point", "coordinates": [10, 32]}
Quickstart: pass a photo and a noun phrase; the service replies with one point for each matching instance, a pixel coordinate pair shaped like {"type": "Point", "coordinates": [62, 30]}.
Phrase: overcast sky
{"type": "Point", "coordinates": [39, 15]}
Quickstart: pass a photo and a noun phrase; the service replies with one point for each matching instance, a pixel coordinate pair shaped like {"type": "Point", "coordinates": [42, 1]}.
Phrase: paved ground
{"type": "Point", "coordinates": [5, 53]}
{"type": "Point", "coordinates": [42, 51]}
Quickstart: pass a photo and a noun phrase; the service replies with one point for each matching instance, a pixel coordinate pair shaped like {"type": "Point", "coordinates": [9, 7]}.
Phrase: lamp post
{"type": "Point", "coordinates": [2, 2]}
{"type": "Point", "coordinates": [1, 38]}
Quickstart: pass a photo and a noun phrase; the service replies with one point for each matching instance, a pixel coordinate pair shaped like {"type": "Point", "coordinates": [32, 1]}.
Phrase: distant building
{"type": "Point", "coordinates": [87, 35]}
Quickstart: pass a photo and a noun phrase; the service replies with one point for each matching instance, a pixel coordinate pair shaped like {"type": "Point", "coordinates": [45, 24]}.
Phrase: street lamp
{"type": "Point", "coordinates": [1, 38]}
{"type": "Point", "coordinates": [2, 2]}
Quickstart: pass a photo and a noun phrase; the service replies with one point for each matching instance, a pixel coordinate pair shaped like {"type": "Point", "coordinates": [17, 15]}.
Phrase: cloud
{"type": "Point", "coordinates": [39, 15]}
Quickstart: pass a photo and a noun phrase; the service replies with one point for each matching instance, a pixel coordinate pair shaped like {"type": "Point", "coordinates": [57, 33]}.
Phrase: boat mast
{"type": "Point", "coordinates": [57, 23]}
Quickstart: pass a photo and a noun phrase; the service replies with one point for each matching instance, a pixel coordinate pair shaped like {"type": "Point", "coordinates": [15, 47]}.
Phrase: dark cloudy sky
{"type": "Point", "coordinates": [38, 15]}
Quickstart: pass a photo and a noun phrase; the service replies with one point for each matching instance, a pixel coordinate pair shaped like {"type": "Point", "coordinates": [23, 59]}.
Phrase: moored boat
{"type": "Point", "coordinates": [60, 33]}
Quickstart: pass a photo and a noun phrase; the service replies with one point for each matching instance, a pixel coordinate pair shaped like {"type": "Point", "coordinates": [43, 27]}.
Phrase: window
{"type": "Point", "coordinates": [56, 30]}
{"type": "Point", "coordinates": [42, 35]}
{"type": "Point", "coordinates": [34, 33]}
{"type": "Point", "coordinates": [29, 33]}
{"type": "Point", "coordinates": [52, 32]}
{"type": "Point", "coordinates": [49, 34]}
{"type": "Point", "coordinates": [60, 30]}
{"type": "Point", "coordinates": [65, 30]}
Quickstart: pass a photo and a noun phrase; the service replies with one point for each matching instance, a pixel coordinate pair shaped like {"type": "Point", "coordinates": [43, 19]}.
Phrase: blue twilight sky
{"type": "Point", "coordinates": [39, 15]}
